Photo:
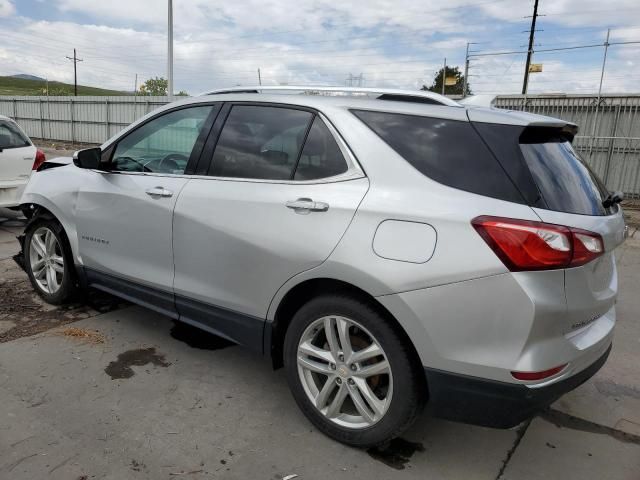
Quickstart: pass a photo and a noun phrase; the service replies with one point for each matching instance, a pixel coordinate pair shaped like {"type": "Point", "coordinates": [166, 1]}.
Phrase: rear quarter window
{"type": "Point", "coordinates": [448, 151]}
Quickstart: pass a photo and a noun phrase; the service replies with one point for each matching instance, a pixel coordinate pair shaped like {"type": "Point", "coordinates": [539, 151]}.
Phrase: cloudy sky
{"type": "Point", "coordinates": [393, 43]}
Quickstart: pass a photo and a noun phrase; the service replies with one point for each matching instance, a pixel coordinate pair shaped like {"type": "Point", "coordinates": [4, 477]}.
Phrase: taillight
{"type": "Point", "coordinates": [586, 247]}
{"type": "Point", "coordinates": [528, 376]}
{"type": "Point", "coordinates": [40, 159]}
{"type": "Point", "coordinates": [528, 245]}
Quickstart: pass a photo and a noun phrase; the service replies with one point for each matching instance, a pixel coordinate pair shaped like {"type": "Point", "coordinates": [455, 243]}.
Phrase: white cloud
{"type": "Point", "coordinates": [397, 43]}
{"type": "Point", "coordinates": [6, 8]}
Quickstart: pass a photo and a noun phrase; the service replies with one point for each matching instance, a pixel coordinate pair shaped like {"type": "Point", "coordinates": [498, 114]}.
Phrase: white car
{"type": "Point", "coordinates": [18, 158]}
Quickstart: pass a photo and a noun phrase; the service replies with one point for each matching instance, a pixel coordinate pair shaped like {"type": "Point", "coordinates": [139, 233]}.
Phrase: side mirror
{"type": "Point", "coordinates": [88, 158]}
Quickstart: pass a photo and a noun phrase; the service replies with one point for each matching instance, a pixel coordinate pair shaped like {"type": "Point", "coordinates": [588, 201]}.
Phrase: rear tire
{"type": "Point", "coordinates": [361, 387]}
{"type": "Point", "coordinates": [48, 261]}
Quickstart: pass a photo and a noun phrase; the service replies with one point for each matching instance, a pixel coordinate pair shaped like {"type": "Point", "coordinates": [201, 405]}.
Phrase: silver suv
{"type": "Point", "coordinates": [388, 248]}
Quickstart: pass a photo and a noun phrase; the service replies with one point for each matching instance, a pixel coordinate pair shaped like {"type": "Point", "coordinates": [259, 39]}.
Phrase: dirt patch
{"type": "Point", "coordinates": [92, 337]}
{"type": "Point", "coordinates": [631, 209]}
{"type": "Point", "coordinates": [61, 144]}
{"type": "Point", "coordinates": [121, 368]}
{"type": "Point", "coordinates": [24, 313]}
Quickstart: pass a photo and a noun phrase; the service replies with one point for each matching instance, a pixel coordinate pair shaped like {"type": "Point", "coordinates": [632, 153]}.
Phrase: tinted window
{"type": "Point", "coordinates": [565, 182]}
{"type": "Point", "coordinates": [260, 142]}
{"type": "Point", "coordinates": [321, 157]}
{"type": "Point", "coordinates": [447, 151]}
{"type": "Point", "coordinates": [162, 145]}
{"type": "Point", "coordinates": [11, 136]}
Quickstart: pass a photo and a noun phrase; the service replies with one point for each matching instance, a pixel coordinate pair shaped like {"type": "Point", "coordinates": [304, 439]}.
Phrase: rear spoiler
{"type": "Point", "coordinates": [518, 118]}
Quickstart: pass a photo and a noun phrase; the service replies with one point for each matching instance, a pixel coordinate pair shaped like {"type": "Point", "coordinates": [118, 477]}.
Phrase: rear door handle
{"type": "Point", "coordinates": [158, 192]}
{"type": "Point", "coordinates": [306, 205]}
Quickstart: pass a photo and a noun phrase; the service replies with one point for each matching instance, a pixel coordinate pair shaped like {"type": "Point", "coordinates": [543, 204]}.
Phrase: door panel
{"type": "Point", "coordinates": [125, 231]}
{"type": "Point", "coordinates": [124, 217]}
{"type": "Point", "coordinates": [236, 242]}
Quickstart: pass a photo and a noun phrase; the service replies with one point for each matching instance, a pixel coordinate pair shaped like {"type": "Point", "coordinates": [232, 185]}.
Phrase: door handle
{"type": "Point", "coordinates": [306, 205]}
{"type": "Point", "coordinates": [159, 192]}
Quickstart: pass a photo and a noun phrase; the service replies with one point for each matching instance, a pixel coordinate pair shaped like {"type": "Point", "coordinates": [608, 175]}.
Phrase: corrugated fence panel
{"type": "Point", "coordinates": [77, 119]}
{"type": "Point", "coordinates": [609, 135]}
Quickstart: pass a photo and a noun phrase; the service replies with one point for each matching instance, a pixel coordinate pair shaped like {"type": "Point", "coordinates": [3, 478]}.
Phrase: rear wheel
{"type": "Point", "coordinates": [48, 261]}
{"type": "Point", "coordinates": [350, 372]}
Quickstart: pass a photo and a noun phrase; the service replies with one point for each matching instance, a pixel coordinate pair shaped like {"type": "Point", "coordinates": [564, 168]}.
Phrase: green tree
{"type": "Point", "coordinates": [182, 93]}
{"type": "Point", "coordinates": [456, 89]}
{"type": "Point", "coordinates": [154, 87]}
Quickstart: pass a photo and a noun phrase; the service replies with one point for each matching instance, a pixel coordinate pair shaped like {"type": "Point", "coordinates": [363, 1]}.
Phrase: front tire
{"type": "Point", "coordinates": [48, 261]}
{"type": "Point", "coordinates": [350, 371]}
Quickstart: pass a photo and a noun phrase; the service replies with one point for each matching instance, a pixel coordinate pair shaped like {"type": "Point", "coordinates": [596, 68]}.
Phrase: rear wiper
{"type": "Point", "coordinates": [612, 199]}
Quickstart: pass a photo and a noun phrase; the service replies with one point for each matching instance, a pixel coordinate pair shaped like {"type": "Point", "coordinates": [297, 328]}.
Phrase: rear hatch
{"type": "Point", "coordinates": [16, 154]}
{"type": "Point", "coordinates": [560, 187]}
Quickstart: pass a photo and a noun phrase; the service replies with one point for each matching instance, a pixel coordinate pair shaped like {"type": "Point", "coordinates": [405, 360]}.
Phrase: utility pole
{"type": "Point", "coordinates": [170, 49]}
{"type": "Point", "coordinates": [532, 33]}
{"type": "Point", "coordinates": [444, 74]}
{"type": "Point", "coordinates": [259, 78]}
{"type": "Point", "coordinates": [595, 118]}
{"type": "Point", "coordinates": [135, 98]}
{"type": "Point", "coordinates": [466, 72]}
{"type": "Point", "coordinates": [75, 60]}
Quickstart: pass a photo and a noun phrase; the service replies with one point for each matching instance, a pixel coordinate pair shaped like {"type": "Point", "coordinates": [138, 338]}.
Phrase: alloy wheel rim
{"type": "Point", "coordinates": [46, 260]}
{"type": "Point", "coordinates": [344, 372]}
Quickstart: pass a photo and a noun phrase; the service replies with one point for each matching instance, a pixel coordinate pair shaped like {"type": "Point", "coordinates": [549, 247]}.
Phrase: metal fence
{"type": "Point", "coordinates": [609, 135]}
{"type": "Point", "coordinates": [77, 119]}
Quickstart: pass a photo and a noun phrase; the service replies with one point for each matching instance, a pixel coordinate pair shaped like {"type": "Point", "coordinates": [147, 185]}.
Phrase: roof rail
{"type": "Point", "coordinates": [418, 96]}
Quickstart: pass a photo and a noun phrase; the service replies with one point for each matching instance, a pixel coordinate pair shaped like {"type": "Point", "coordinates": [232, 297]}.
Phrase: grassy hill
{"type": "Point", "coordinates": [22, 86]}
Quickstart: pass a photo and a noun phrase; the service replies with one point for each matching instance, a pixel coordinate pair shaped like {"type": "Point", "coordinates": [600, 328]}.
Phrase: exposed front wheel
{"type": "Point", "coordinates": [47, 261]}
{"type": "Point", "coordinates": [350, 372]}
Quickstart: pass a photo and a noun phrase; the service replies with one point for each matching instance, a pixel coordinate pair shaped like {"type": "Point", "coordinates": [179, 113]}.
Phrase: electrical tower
{"type": "Point", "coordinates": [355, 80]}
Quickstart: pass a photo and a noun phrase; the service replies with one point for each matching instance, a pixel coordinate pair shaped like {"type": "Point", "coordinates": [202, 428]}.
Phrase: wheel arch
{"type": "Point", "coordinates": [304, 291]}
{"type": "Point", "coordinates": [39, 208]}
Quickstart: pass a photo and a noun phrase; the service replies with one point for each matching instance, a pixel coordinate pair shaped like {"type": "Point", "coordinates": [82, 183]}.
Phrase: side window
{"type": "Point", "coordinates": [11, 136]}
{"type": "Point", "coordinates": [321, 157]}
{"type": "Point", "coordinates": [162, 145]}
{"type": "Point", "coordinates": [260, 142]}
{"type": "Point", "coordinates": [450, 152]}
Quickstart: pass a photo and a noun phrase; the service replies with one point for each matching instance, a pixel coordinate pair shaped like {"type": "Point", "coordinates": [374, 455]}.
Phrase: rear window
{"type": "Point", "coordinates": [564, 180]}
{"type": "Point", "coordinates": [11, 136]}
{"type": "Point", "coordinates": [448, 151]}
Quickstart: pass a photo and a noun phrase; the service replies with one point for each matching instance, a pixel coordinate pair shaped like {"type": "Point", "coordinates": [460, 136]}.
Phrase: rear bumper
{"type": "Point", "coordinates": [496, 404]}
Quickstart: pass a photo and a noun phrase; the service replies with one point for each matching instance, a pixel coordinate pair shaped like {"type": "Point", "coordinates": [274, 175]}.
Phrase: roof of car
{"type": "Point", "coordinates": [452, 110]}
